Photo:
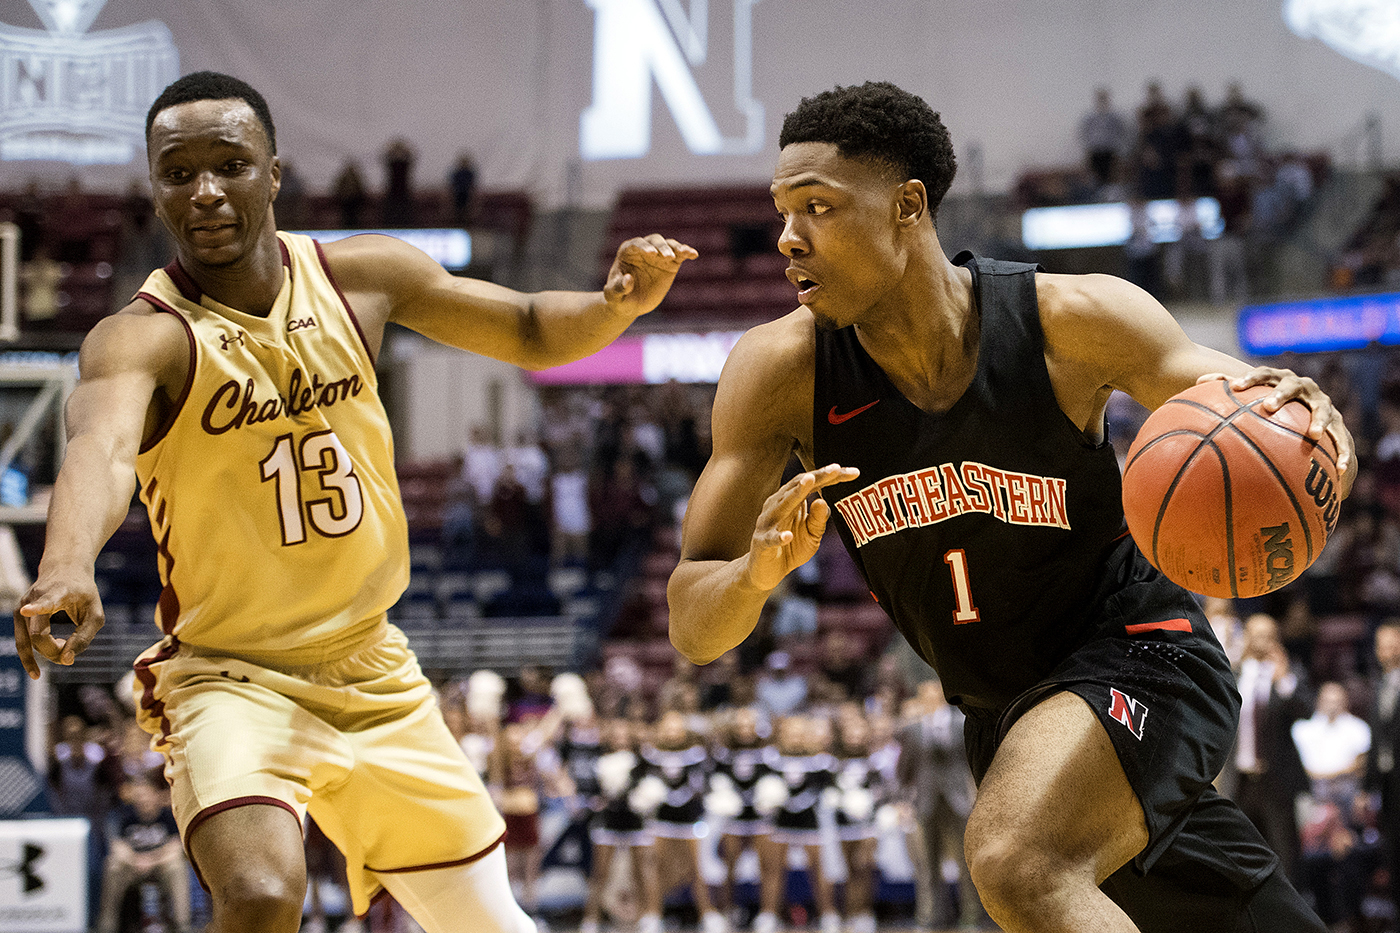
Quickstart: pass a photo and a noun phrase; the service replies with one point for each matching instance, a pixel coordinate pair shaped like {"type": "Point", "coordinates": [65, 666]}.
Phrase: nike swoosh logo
{"type": "Point", "coordinates": [834, 418]}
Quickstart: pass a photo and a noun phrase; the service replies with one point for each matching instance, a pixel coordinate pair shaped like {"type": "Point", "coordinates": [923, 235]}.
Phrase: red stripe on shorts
{"type": "Point", "coordinates": [1168, 625]}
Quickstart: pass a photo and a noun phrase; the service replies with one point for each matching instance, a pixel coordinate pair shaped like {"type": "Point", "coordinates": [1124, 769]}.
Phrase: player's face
{"type": "Point", "coordinates": [213, 179]}
{"type": "Point", "coordinates": [839, 231]}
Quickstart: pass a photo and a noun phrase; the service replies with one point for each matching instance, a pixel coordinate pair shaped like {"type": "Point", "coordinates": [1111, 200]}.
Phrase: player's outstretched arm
{"type": "Point", "coordinates": [387, 280]}
{"type": "Point", "coordinates": [123, 361]}
{"type": "Point", "coordinates": [743, 532]}
{"type": "Point", "coordinates": [1104, 333]}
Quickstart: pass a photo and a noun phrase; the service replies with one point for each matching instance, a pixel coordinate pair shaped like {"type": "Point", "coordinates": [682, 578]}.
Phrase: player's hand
{"type": "Point", "coordinates": [643, 271]}
{"type": "Point", "coordinates": [790, 527]}
{"type": "Point", "coordinates": [77, 598]}
{"type": "Point", "coordinates": [1289, 386]}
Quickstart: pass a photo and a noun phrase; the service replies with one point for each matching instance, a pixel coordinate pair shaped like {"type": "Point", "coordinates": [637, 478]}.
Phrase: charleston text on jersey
{"type": "Point", "coordinates": [245, 408]}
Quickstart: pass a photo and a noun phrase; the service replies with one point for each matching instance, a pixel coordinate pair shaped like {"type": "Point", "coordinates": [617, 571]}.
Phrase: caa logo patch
{"type": "Point", "coordinates": [1128, 711]}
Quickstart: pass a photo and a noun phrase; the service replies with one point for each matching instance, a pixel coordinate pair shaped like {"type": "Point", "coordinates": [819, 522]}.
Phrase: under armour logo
{"type": "Point", "coordinates": [229, 340]}
{"type": "Point", "coordinates": [24, 868]}
{"type": "Point", "coordinates": [1128, 711]}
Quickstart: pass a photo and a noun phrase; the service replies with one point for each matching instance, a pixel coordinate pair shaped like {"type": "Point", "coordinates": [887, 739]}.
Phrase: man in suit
{"type": "Point", "coordinates": [1266, 763]}
{"type": "Point", "coordinates": [935, 777]}
{"type": "Point", "coordinates": [1382, 777]}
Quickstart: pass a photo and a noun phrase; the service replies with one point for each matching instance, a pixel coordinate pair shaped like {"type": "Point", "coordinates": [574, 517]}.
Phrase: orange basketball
{"type": "Point", "coordinates": [1225, 500]}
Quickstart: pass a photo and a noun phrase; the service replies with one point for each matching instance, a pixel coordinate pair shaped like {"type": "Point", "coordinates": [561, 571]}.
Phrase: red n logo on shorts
{"type": "Point", "coordinates": [1128, 711]}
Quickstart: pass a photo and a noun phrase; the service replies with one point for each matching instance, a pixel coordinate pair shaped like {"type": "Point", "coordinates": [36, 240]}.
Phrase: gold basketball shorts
{"type": "Point", "coordinates": [358, 743]}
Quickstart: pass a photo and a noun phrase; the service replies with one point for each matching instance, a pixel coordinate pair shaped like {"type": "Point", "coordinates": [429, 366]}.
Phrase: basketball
{"type": "Point", "coordinates": [1225, 500]}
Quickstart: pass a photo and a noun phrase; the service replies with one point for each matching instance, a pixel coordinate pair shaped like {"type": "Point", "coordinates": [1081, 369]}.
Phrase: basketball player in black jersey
{"type": "Point", "coordinates": [951, 416]}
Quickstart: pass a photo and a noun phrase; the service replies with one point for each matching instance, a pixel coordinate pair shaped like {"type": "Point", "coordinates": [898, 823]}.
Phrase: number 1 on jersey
{"type": "Point", "coordinates": [956, 559]}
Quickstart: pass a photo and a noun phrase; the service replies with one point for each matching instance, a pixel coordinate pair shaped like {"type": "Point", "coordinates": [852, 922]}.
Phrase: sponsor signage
{"type": "Point", "coordinates": [651, 359]}
{"type": "Point", "coordinates": [1346, 323]}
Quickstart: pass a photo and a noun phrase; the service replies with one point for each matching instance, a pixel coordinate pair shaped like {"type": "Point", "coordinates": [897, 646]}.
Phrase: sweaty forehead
{"type": "Point", "coordinates": [230, 120]}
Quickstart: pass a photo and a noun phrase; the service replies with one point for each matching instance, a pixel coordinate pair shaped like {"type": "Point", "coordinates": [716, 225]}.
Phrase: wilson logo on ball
{"type": "Point", "coordinates": [1324, 492]}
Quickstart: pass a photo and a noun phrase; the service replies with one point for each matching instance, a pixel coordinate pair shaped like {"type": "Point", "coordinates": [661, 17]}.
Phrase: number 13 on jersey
{"type": "Point", "coordinates": [965, 611]}
{"type": "Point", "coordinates": [333, 515]}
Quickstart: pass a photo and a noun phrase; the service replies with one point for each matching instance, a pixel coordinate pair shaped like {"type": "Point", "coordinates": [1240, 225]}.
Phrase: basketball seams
{"type": "Point", "coordinates": [1284, 484]}
{"type": "Point", "coordinates": [1178, 470]}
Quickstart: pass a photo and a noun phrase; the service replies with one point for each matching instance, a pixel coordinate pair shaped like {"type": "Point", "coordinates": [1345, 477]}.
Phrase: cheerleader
{"type": "Point", "coordinates": [617, 825]}
{"type": "Point", "coordinates": [860, 789]}
{"type": "Point", "coordinates": [803, 769]}
{"type": "Point", "coordinates": [739, 764]}
{"type": "Point", "coordinates": [678, 765]}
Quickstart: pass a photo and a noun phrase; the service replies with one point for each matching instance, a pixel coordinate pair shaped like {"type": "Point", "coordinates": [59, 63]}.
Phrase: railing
{"type": "Point", "coordinates": [502, 645]}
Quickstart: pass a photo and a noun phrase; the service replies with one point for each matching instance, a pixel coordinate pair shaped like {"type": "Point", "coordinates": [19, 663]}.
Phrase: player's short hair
{"type": "Point", "coordinates": [211, 85]}
{"type": "Point", "coordinates": [884, 124]}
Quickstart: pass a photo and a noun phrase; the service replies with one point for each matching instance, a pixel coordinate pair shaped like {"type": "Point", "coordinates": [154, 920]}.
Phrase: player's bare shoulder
{"type": "Point", "coordinates": [768, 378]}
{"type": "Point", "coordinates": [139, 337]}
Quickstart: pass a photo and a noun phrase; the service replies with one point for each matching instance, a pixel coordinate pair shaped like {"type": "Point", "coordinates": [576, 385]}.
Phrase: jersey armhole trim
{"type": "Point", "coordinates": [345, 303]}
{"type": "Point", "coordinates": [169, 422]}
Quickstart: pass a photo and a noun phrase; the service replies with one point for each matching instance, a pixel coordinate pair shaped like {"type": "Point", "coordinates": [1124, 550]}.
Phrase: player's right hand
{"type": "Point", "coordinates": [790, 527]}
{"type": "Point", "coordinates": [78, 599]}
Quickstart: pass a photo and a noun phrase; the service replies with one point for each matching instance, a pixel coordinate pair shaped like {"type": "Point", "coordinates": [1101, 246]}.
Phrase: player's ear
{"type": "Point", "coordinates": [276, 172]}
{"type": "Point", "coordinates": [911, 202]}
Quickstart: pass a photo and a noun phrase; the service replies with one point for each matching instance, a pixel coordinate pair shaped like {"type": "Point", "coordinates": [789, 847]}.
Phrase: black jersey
{"type": "Point", "coordinates": [991, 532]}
{"type": "Point", "coordinates": [685, 772]}
{"type": "Point", "coordinates": [743, 767]}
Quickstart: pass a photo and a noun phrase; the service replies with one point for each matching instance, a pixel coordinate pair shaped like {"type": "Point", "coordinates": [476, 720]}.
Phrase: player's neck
{"type": "Point", "coordinates": [250, 284]}
{"type": "Point", "coordinates": [925, 335]}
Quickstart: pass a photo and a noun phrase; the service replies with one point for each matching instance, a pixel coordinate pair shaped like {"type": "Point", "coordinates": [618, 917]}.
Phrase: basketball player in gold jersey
{"type": "Point", "coordinates": [239, 386]}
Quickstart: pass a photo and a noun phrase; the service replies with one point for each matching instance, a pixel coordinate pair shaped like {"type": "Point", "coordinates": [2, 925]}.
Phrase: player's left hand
{"type": "Point", "coordinates": [643, 271]}
{"type": "Point", "coordinates": [1326, 419]}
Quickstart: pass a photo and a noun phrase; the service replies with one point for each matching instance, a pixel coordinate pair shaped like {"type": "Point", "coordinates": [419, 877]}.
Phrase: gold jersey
{"type": "Point", "coordinates": [271, 489]}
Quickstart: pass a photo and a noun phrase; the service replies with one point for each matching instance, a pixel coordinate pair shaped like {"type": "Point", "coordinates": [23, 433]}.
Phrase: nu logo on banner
{"type": "Point", "coordinates": [638, 41]}
{"type": "Point", "coordinates": [80, 97]}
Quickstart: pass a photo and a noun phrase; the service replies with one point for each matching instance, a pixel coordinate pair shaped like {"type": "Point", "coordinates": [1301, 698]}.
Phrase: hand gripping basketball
{"type": "Point", "coordinates": [1225, 499]}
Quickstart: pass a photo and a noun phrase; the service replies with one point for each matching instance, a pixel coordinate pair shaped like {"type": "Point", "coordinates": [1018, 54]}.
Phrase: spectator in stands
{"type": "Point", "coordinates": [938, 792]}
{"type": "Point", "coordinates": [1200, 148]}
{"type": "Point", "coordinates": [506, 523]}
{"type": "Point", "coordinates": [482, 461]}
{"type": "Point", "coordinates": [1226, 257]}
{"type": "Point", "coordinates": [1105, 136]}
{"type": "Point", "coordinates": [1225, 622]}
{"type": "Point", "coordinates": [40, 278]}
{"type": "Point", "coordinates": [1241, 123]}
{"type": "Point", "coordinates": [620, 502]}
{"type": "Point", "coordinates": [76, 780]}
{"type": "Point", "coordinates": [527, 458]}
{"type": "Point", "coordinates": [1268, 771]}
{"type": "Point", "coordinates": [720, 683]}
{"type": "Point", "coordinates": [291, 199]}
{"type": "Point", "coordinates": [461, 181]}
{"type": "Point", "coordinates": [571, 519]}
{"type": "Point", "coordinates": [1142, 253]}
{"type": "Point", "coordinates": [400, 208]}
{"type": "Point", "coordinates": [143, 844]}
{"type": "Point", "coordinates": [844, 664]}
{"type": "Point", "coordinates": [780, 690]}
{"type": "Point", "coordinates": [532, 699]}
{"type": "Point", "coordinates": [1158, 146]}
{"type": "Point", "coordinates": [1381, 780]}
{"type": "Point", "coordinates": [350, 195]}
{"type": "Point", "coordinates": [1333, 745]}
{"type": "Point", "coordinates": [325, 868]}
{"type": "Point", "coordinates": [522, 772]}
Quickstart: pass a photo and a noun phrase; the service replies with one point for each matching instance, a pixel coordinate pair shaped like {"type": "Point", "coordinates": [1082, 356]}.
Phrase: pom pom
{"type": "Point", "coordinates": [857, 803]}
{"type": "Point", "coordinates": [721, 782]}
{"type": "Point", "coordinates": [615, 772]}
{"type": "Point", "coordinates": [647, 795]}
{"type": "Point", "coordinates": [887, 817]}
{"type": "Point", "coordinates": [769, 793]}
{"type": "Point", "coordinates": [484, 691]}
{"type": "Point", "coordinates": [570, 692]}
{"type": "Point", "coordinates": [724, 801]}
{"type": "Point", "coordinates": [831, 798]}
